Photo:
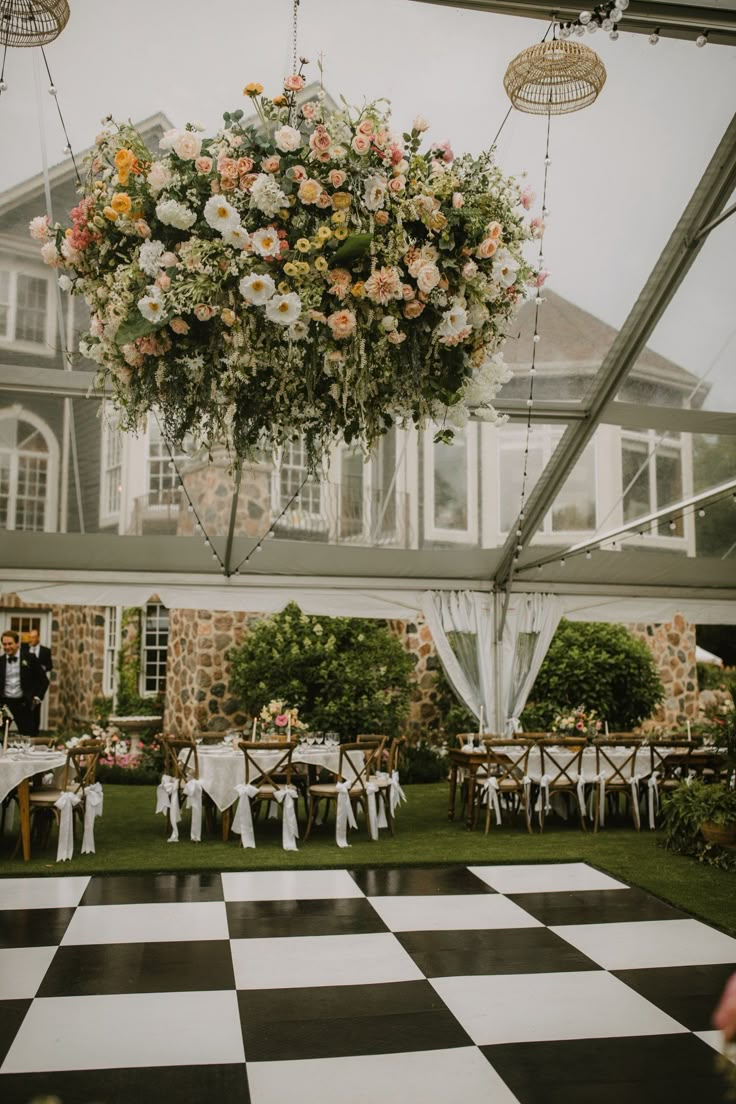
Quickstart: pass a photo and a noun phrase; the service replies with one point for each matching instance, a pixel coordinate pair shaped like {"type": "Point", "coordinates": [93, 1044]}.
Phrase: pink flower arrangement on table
{"type": "Point", "coordinates": [278, 719]}
{"type": "Point", "coordinates": [578, 722]}
{"type": "Point", "coordinates": [307, 273]}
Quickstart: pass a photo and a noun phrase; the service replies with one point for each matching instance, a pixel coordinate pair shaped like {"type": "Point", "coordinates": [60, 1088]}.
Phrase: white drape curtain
{"type": "Point", "coordinates": [461, 623]}
{"type": "Point", "coordinates": [463, 628]}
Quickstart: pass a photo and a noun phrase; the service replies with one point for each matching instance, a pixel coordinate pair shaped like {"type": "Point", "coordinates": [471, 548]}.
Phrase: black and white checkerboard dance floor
{"type": "Point", "coordinates": [499, 984]}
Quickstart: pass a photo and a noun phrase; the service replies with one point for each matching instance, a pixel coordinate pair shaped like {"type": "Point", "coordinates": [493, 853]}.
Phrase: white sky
{"type": "Point", "coordinates": [622, 170]}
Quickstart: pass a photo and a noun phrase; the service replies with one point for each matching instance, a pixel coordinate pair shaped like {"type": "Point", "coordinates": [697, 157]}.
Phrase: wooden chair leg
{"type": "Point", "coordinates": [226, 825]}
{"type": "Point", "coordinates": [312, 806]}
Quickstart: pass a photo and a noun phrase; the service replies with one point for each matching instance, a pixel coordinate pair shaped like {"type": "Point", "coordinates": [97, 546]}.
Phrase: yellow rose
{"type": "Point", "coordinates": [320, 264]}
{"type": "Point", "coordinates": [284, 214]}
{"type": "Point", "coordinates": [253, 89]}
{"type": "Point", "coordinates": [338, 218]}
{"type": "Point", "coordinates": [303, 267]}
{"type": "Point", "coordinates": [341, 200]}
{"type": "Point", "coordinates": [283, 287]}
{"type": "Point", "coordinates": [120, 202]}
{"type": "Point", "coordinates": [303, 245]}
{"type": "Point", "coordinates": [227, 316]}
{"type": "Point", "coordinates": [110, 213]}
{"type": "Point", "coordinates": [290, 268]}
{"type": "Point", "coordinates": [341, 232]}
{"type": "Point", "coordinates": [358, 290]}
{"type": "Point", "coordinates": [324, 232]}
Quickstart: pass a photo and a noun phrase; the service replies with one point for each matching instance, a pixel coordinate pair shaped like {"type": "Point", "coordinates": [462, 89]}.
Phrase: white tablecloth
{"type": "Point", "coordinates": [563, 756]}
{"type": "Point", "coordinates": [222, 768]}
{"type": "Point", "coordinates": [17, 765]}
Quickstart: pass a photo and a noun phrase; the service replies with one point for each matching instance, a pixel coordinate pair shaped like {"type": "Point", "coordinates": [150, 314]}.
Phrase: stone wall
{"type": "Point", "coordinates": [417, 639]}
{"type": "Point", "coordinates": [77, 645]}
{"type": "Point", "coordinates": [210, 485]}
{"type": "Point", "coordinates": [673, 648]}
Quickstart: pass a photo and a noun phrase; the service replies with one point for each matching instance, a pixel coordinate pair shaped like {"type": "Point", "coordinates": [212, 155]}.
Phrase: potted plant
{"type": "Point", "coordinates": [699, 808]}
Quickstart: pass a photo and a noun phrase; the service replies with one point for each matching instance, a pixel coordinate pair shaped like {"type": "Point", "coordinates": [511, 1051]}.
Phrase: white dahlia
{"type": "Point", "coordinates": [172, 213]}
{"type": "Point", "coordinates": [266, 195]}
{"type": "Point", "coordinates": [149, 258]}
{"type": "Point", "coordinates": [284, 309]}
{"type": "Point", "coordinates": [257, 289]}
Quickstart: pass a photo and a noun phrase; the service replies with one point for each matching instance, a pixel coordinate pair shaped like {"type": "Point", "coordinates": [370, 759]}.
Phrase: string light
{"type": "Point", "coordinates": [654, 37]}
{"type": "Point", "coordinates": [702, 40]}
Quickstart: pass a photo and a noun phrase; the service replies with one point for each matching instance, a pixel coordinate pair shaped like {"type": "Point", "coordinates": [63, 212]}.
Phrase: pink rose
{"type": "Point", "coordinates": [407, 291]}
{"type": "Point", "coordinates": [320, 140]}
{"type": "Point", "coordinates": [396, 153]}
{"type": "Point", "coordinates": [527, 198]}
{"type": "Point", "coordinates": [541, 278]}
{"type": "Point", "coordinates": [494, 230]}
{"type": "Point", "coordinates": [244, 165]}
{"type": "Point", "coordinates": [365, 126]}
{"type": "Point", "coordinates": [203, 165]}
{"type": "Point", "coordinates": [142, 229]}
{"type": "Point", "coordinates": [322, 155]}
{"type": "Point", "coordinates": [427, 277]}
{"type": "Point", "coordinates": [336, 177]}
{"type": "Point", "coordinates": [486, 249]}
{"type": "Point", "coordinates": [271, 164]}
{"type": "Point", "coordinates": [537, 226]}
{"type": "Point", "coordinates": [445, 150]}
{"type": "Point", "coordinates": [361, 145]}
{"type": "Point", "coordinates": [323, 200]}
{"type": "Point", "coordinates": [297, 173]}
{"type": "Point", "coordinates": [342, 324]}
{"type": "Point", "coordinates": [163, 281]}
{"type": "Point", "coordinates": [309, 110]}
{"type": "Point", "coordinates": [294, 83]}
{"type": "Point", "coordinates": [203, 312]}
{"type": "Point", "coordinates": [179, 326]}
{"type": "Point", "coordinates": [457, 200]}
{"type": "Point", "coordinates": [227, 166]}
{"type": "Point", "coordinates": [281, 720]}
{"type": "Point", "coordinates": [168, 260]}
{"type": "Point", "coordinates": [397, 184]}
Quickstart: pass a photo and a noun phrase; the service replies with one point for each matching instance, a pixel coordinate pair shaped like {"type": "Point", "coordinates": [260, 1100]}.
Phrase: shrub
{"type": "Point", "coordinates": [345, 675]}
{"type": "Point", "coordinates": [423, 762]}
{"type": "Point", "coordinates": [599, 667]}
{"type": "Point", "coordinates": [686, 809]}
{"type": "Point", "coordinates": [454, 717]}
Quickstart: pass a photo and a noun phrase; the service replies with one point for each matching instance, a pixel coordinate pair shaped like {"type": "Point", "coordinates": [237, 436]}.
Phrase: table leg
{"type": "Point", "coordinates": [24, 806]}
{"type": "Point", "coordinates": [453, 791]}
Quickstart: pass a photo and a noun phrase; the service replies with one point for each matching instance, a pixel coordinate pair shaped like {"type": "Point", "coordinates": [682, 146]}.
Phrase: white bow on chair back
{"type": "Point", "coordinates": [92, 809]}
{"type": "Point", "coordinates": [66, 805]}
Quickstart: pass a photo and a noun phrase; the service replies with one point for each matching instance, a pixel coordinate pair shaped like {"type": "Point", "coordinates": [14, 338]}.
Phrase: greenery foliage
{"type": "Point", "coordinates": [423, 762]}
{"type": "Point", "coordinates": [344, 674]}
{"type": "Point", "coordinates": [130, 702]}
{"type": "Point", "coordinates": [598, 667]}
{"type": "Point", "coordinates": [686, 809]}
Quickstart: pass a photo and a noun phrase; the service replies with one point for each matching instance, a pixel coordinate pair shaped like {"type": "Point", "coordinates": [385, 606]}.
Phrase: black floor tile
{"type": "Point", "coordinates": [178, 967]}
{"type": "Point", "coordinates": [418, 881]}
{"type": "Point", "coordinates": [33, 927]}
{"type": "Point", "coordinates": [598, 906]}
{"type": "Point", "coordinates": [652, 1069]}
{"type": "Point", "coordinates": [142, 889]}
{"type": "Point", "coordinates": [501, 951]}
{"type": "Point", "coordinates": [12, 1014]}
{"type": "Point", "coordinates": [687, 993]}
{"type": "Point", "coordinates": [183, 1084]}
{"type": "Point", "coordinates": [271, 919]}
{"type": "Point", "coordinates": [336, 1021]}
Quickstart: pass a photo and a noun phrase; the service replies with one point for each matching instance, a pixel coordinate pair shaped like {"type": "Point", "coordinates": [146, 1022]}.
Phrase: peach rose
{"type": "Point", "coordinates": [227, 166]}
{"type": "Point", "coordinates": [365, 126]}
{"type": "Point", "coordinates": [309, 190]}
{"type": "Point", "coordinates": [397, 184]}
{"type": "Point", "coordinates": [309, 110]}
{"type": "Point", "coordinates": [396, 337]}
{"type": "Point", "coordinates": [142, 229]}
{"type": "Point", "coordinates": [486, 249]}
{"type": "Point", "coordinates": [413, 308]}
{"type": "Point", "coordinates": [381, 218]}
{"type": "Point", "coordinates": [494, 230]}
{"type": "Point", "coordinates": [297, 173]}
{"type": "Point", "coordinates": [271, 164]}
{"type": "Point", "coordinates": [228, 183]}
{"type": "Point", "coordinates": [342, 324]}
{"type": "Point", "coordinates": [361, 144]}
{"type": "Point", "coordinates": [336, 177]}
{"type": "Point", "coordinates": [203, 165]}
{"type": "Point", "coordinates": [244, 165]}
{"type": "Point", "coordinates": [320, 140]}
{"type": "Point", "coordinates": [457, 200]}
{"type": "Point", "coordinates": [427, 277]}
{"type": "Point", "coordinates": [294, 83]}
{"type": "Point", "coordinates": [323, 200]}
{"type": "Point", "coordinates": [203, 312]}
{"type": "Point", "coordinates": [179, 326]}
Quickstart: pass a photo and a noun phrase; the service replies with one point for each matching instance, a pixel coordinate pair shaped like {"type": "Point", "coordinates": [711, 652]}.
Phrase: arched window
{"type": "Point", "coordinates": [29, 457]}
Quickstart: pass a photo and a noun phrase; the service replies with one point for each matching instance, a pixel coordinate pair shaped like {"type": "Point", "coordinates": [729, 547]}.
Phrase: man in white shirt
{"type": "Point", "coordinates": [23, 683]}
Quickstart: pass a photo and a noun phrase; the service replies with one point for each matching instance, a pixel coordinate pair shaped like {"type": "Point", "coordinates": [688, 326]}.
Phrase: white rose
{"type": "Point", "coordinates": [427, 276]}
{"type": "Point", "coordinates": [158, 176]}
{"type": "Point", "coordinates": [188, 145]}
{"type": "Point", "coordinates": [65, 283]}
{"type": "Point", "coordinates": [420, 124]}
{"type": "Point", "coordinates": [287, 139]}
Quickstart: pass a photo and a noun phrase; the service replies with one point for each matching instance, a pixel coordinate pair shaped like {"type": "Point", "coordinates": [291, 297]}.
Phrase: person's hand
{"type": "Point", "coordinates": [36, 703]}
{"type": "Point", "coordinates": [724, 1017]}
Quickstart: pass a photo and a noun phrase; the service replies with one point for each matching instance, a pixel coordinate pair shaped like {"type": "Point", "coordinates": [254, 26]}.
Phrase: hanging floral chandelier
{"type": "Point", "coordinates": [312, 276]}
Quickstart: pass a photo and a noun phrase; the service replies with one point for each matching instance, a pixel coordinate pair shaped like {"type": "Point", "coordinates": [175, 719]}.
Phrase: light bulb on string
{"type": "Point", "coordinates": [588, 554]}
{"type": "Point", "coordinates": [613, 35]}
{"type": "Point", "coordinates": [701, 513]}
{"type": "Point", "coordinates": [654, 37]}
{"type": "Point", "coordinates": [702, 40]}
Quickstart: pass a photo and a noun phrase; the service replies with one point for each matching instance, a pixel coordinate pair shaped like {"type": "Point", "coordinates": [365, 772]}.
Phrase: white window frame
{"type": "Point", "coordinates": [372, 504]}
{"type": "Point", "coordinates": [296, 515]}
{"type": "Point", "coordinates": [110, 421]}
{"type": "Point", "coordinates": [653, 442]}
{"type": "Point", "coordinates": [169, 475]}
{"type": "Point", "coordinates": [433, 532]}
{"type": "Point", "coordinates": [113, 635]}
{"type": "Point", "coordinates": [19, 413]}
{"type": "Point", "coordinates": [160, 688]}
{"type": "Point", "coordinates": [7, 339]}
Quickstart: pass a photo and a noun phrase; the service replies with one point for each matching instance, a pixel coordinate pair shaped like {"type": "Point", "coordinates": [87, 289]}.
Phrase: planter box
{"type": "Point", "coordinates": [722, 834]}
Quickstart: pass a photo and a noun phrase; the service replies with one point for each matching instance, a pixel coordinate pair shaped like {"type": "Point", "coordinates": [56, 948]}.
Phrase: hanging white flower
{"type": "Point", "coordinates": [257, 289]}
{"type": "Point", "coordinates": [288, 139]}
{"type": "Point", "coordinates": [172, 213]}
{"type": "Point", "coordinates": [236, 236]}
{"type": "Point", "coordinates": [284, 309]}
{"type": "Point", "coordinates": [375, 192]}
{"type": "Point", "coordinates": [151, 305]}
{"type": "Point", "coordinates": [266, 195]}
{"type": "Point", "coordinates": [149, 258]}
{"type": "Point", "coordinates": [505, 268]}
{"type": "Point", "coordinates": [265, 242]}
{"type": "Point", "coordinates": [219, 214]}
{"type": "Point", "coordinates": [453, 321]}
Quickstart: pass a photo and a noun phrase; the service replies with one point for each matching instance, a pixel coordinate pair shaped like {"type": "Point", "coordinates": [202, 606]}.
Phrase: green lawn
{"type": "Point", "coordinates": [130, 837]}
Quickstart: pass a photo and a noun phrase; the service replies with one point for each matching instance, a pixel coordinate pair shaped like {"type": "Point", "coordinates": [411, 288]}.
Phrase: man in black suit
{"type": "Point", "coordinates": [41, 652]}
{"type": "Point", "coordinates": [23, 683]}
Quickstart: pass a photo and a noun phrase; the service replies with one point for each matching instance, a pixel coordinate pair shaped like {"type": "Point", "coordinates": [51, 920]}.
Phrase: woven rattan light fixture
{"type": "Point", "coordinates": [32, 22]}
{"type": "Point", "coordinates": [554, 78]}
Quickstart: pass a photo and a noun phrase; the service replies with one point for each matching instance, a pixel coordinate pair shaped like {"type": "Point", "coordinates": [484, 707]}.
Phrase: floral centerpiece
{"type": "Point", "coordinates": [313, 275]}
{"type": "Point", "coordinates": [577, 722]}
{"type": "Point", "coordinates": [279, 720]}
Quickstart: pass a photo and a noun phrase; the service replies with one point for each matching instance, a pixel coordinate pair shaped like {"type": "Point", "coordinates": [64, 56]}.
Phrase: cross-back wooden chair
{"type": "Point", "coordinates": [357, 763]}
{"type": "Point", "coordinates": [181, 766]}
{"type": "Point", "coordinates": [268, 775]}
{"type": "Point", "coordinates": [504, 777]}
{"type": "Point", "coordinates": [618, 776]}
{"type": "Point", "coordinates": [386, 777]}
{"type": "Point", "coordinates": [79, 773]}
{"type": "Point", "coordinates": [562, 766]}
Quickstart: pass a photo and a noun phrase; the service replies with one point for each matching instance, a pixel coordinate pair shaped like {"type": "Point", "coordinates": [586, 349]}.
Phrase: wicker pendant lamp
{"type": "Point", "coordinates": [32, 22]}
{"type": "Point", "coordinates": [554, 78]}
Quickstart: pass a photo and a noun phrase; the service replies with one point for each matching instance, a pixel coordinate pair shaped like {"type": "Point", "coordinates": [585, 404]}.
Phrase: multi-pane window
{"type": "Point", "coordinates": [574, 507]}
{"type": "Point", "coordinates": [24, 308]}
{"type": "Point", "coordinates": [291, 476]}
{"type": "Point", "coordinates": [652, 478]}
{"type": "Point", "coordinates": [24, 475]}
{"type": "Point", "coordinates": [111, 650]}
{"type": "Point", "coordinates": [451, 487]}
{"type": "Point", "coordinates": [163, 482]}
{"type": "Point", "coordinates": [155, 646]}
{"type": "Point", "coordinates": [112, 465]}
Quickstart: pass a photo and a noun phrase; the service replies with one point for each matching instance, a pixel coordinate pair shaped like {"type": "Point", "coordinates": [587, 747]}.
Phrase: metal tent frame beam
{"type": "Point", "coordinates": [707, 202]}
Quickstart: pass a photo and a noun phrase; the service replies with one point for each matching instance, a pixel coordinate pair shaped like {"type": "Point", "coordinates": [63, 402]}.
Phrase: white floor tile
{"type": "Point", "coordinates": [517, 1008]}
{"type": "Point", "coordinates": [544, 878]}
{"type": "Point", "coordinates": [22, 969]}
{"type": "Point", "coordinates": [109, 1032]}
{"type": "Point", "coordinates": [37, 893]}
{"type": "Point", "coordinates": [713, 1039]}
{"type": "Point", "coordinates": [461, 911]}
{"type": "Point", "coordinates": [289, 885]}
{"type": "Point", "coordinates": [650, 943]}
{"type": "Point", "coordinates": [321, 960]}
{"type": "Point", "coordinates": [147, 923]}
{"type": "Point", "coordinates": [432, 1076]}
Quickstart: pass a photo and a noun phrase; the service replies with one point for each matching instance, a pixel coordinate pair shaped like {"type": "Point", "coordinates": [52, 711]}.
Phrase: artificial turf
{"type": "Point", "coordinates": [130, 838]}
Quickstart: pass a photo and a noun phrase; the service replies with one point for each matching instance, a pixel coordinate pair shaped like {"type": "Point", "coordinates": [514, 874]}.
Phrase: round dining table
{"type": "Point", "coordinates": [17, 767]}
